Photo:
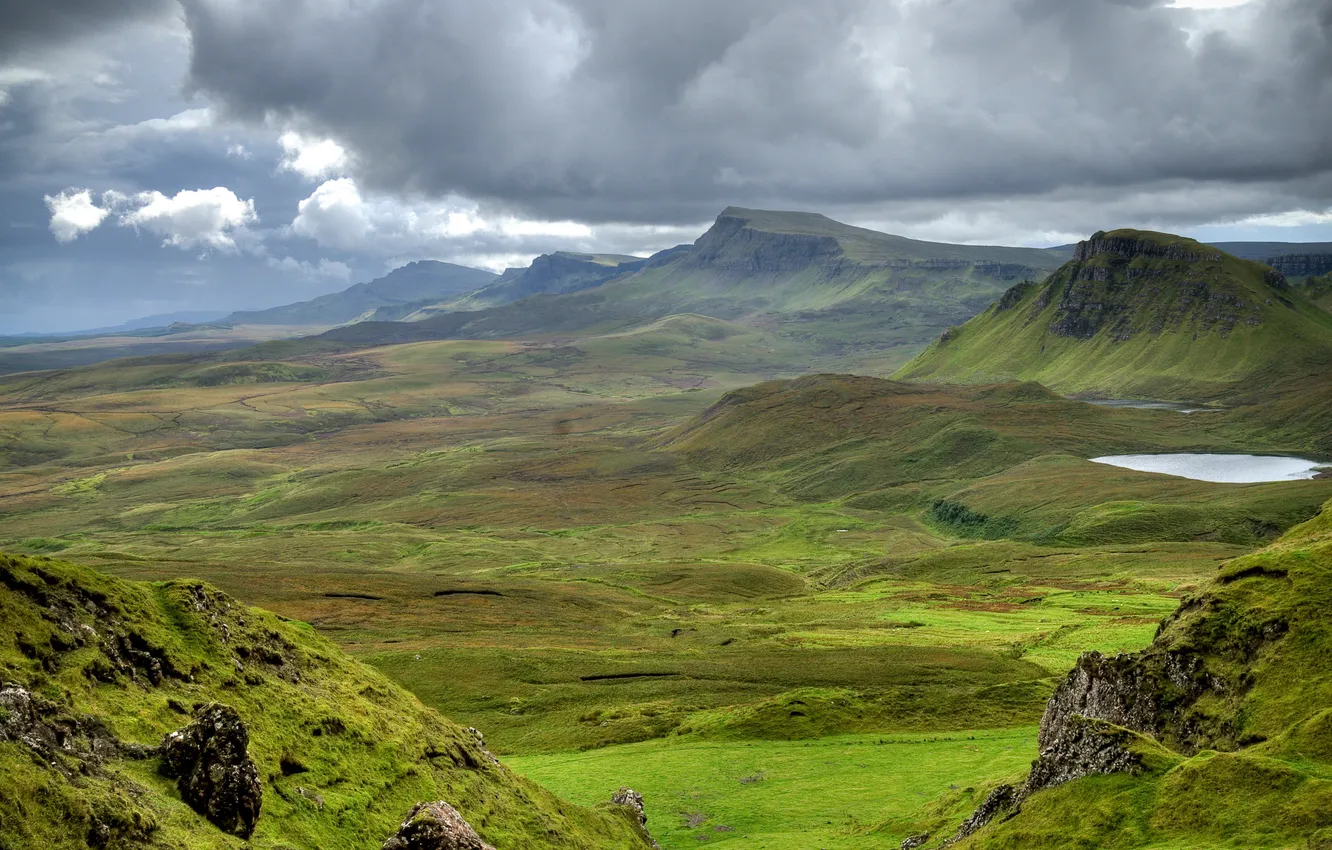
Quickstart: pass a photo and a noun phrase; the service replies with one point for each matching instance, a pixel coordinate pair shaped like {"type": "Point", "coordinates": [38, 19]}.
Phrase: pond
{"type": "Point", "coordinates": [1223, 469]}
{"type": "Point", "coordinates": [1178, 407]}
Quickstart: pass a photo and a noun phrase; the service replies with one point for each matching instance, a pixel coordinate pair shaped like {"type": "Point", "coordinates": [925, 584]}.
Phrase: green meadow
{"type": "Point", "coordinates": [807, 613]}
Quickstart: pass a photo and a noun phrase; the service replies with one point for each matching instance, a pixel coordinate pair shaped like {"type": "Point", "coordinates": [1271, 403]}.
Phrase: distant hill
{"type": "Point", "coordinates": [840, 290]}
{"type": "Point", "coordinates": [157, 320]}
{"type": "Point", "coordinates": [1137, 314]}
{"type": "Point", "coordinates": [550, 274]}
{"type": "Point", "coordinates": [1293, 259]}
{"type": "Point", "coordinates": [415, 282]}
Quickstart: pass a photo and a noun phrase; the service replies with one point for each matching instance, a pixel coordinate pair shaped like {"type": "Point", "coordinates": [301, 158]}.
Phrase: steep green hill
{"type": "Point", "coordinates": [1219, 734]}
{"type": "Point", "coordinates": [1137, 315]}
{"type": "Point", "coordinates": [95, 671]}
{"type": "Point", "coordinates": [840, 290]}
{"type": "Point", "coordinates": [425, 280]}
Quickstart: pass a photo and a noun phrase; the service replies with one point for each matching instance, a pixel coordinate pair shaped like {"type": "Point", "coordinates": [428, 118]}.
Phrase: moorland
{"type": "Point", "coordinates": [770, 529]}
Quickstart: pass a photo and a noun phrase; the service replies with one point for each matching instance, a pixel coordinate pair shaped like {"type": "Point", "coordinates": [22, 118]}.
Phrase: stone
{"type": "Point", "coordinates": [435, 826]}
{"type": "Point", "coordinates": [914, 841]}
{"type": "Point", "coordinates": [211, 763]}
{"type": "Point", "coordinates": [632, 800]}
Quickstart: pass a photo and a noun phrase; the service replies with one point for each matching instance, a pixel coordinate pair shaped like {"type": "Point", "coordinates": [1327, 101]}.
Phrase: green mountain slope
{"type": "Point", "coordinates": [94, 672]}
{"type": "Point", "coordinates": [1219, 734]}
{"type": "Point", "coordinates": [839, 290]}
{"type": "Point", "coordinates": [1137, 315]}
{"type": "Point", "coordinates": [414, 282]}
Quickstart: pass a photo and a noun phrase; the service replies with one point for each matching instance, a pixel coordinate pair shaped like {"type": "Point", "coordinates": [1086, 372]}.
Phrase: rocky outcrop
{"type": "Point", "coordinates": [632, 800]}
{"type": "Point", "coordinates": [1128, 248]}
{"type": "Point", "coordinates": [1001, 802]}
{"type": "Point", "coordinates": [1085, 747]}
{"type": "Point", "coordinates": [214, 773]}
{"type": "Point", "coordinates": [912, 842]}
{"type": "Point", "coordinates": [1301, 265]}
{"type": "Point", "coordinates": [66, 742]}
{"type": "Point", "coordinates": [731, 245]}
{"type": "Point", "coordinates": [435, 826]}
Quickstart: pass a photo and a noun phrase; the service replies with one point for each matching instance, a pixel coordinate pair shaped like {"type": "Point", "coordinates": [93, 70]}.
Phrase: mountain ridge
{"type": "Point", "coordinates": [412, 282]}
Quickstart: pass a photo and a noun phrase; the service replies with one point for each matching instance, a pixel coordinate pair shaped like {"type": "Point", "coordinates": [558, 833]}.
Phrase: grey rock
{"type": "Point", "coordinates": [914, 841]}
{"type": "Point", "coordinates": [633, 800]}
{"type": "Point", "coordinates": [435, 826]}
{"type": "Point", "coordinates": [213, 770]}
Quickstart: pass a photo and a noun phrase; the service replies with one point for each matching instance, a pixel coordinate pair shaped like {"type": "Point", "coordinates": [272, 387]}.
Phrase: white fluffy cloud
{"type": "Point", "coordinates": [327, 268]}
{"type": "Point", "coordinates": [192, 218]}
{"type": "Point", "coordinates": [312, 158]}
{"type": "Point", "coordinates": [73, 213]}
{"type": "Point", "coordinates": [338, 215]}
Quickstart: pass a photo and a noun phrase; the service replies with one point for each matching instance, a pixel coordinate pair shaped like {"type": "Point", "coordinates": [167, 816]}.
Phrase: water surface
{"type": "Point", "coordinates": [1223, 469]}
{"type": "Point", "coordinates": [1177, 406]}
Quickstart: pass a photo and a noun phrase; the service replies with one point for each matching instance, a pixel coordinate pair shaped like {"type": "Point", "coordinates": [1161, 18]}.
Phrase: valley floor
{"type": "Point", "coordinates": [525, 538]}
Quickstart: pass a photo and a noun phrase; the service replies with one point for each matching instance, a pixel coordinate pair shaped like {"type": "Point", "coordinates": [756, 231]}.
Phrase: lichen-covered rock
{"type": "Point", "coordinates": [1085, 747]}
{"type": "Point", "coordinates": [914, 841]}
{"type": "Point", "coordinates": [214, 772]}
{"type": "Point", "coordinates": [632, 800]}
{"type": "Point", "coordinates": [435, 826]}
{"type": "Point", "coordinates": [1003, 800]}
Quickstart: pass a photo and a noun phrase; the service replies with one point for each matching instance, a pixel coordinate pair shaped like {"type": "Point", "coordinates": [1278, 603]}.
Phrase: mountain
{"type": "Point", "coordinates": [1217, 734]}
{"type": "Point", "coordinates": [157, 320]}
{"type": "Point", "coordinates": [168, 715]}
{"type": "Point", "coordinates": [414, 282]}
{"type": "Point", "coordinates": [839, 290]}
{"type": "Point", "coordinates": [549, 274]}
{"type": "Point", "coordinates": [1293, 259]}
{"type": "Point", "coordinates": [1137, 314]}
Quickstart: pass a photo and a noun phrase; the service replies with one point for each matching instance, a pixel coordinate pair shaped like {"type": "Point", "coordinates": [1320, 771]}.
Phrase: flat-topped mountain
{"type": "Point", "coordinates": [840, 290]}
{"type": "Point", "coordinates": [1137, 314]}
{"type": "Point", "coordinates": [424, 280]}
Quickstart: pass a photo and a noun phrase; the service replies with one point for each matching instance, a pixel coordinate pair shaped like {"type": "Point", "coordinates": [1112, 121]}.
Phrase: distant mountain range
{"type": "Point", "coordinates": [424, 280]}
{"type": "Point", "coordinates": [840, 291]}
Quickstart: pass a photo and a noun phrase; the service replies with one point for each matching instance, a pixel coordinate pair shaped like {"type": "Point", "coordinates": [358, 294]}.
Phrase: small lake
{"type": "Point", "coordinates": [1222, 469]}
{"type": "Point", "coordinates": [1178, 407]}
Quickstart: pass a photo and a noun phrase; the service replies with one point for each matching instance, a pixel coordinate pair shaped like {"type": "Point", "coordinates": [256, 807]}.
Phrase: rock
{"type": "Point", "coordinates": [435, 826]}
{"type": "Point", "coordinates": [1085, 747]}
{"type": "Point", "coordinates": [1003, 800]}
{"type": "Point", "coordinates": [214, 771]}
{"type": "Point", "coordinates": [632, 800]}
{"type": "Point", "coordinates": [914, 841]}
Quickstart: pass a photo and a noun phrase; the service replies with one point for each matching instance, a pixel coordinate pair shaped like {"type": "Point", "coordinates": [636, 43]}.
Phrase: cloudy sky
{"type": "Point", "coordinates": [161, 155]}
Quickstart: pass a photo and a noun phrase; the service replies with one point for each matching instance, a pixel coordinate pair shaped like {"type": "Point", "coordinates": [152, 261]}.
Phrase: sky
{"type": "Point", "coordinates": [164, 155]}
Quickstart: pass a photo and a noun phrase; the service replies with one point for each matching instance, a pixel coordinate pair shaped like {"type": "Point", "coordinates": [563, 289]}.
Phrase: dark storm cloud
{"type": "Point", "coordinates": [668, 109]}
{"type": "Point", "coordinates": [36, 24]}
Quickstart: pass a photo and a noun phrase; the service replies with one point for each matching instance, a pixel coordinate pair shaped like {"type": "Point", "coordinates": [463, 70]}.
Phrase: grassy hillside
{"type": "Point", "coordinates": [1138, 315]}
{"type": "Point", "coordinates": [342, 753]}
{"type": "Point", "coordinates": [414, 282]}
{"type": "Point", "coordinates": [1235, 688]}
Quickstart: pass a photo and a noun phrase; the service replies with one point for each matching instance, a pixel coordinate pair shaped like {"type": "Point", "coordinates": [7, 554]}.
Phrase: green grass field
{"type": "Point", "coordinates": [626, 570]}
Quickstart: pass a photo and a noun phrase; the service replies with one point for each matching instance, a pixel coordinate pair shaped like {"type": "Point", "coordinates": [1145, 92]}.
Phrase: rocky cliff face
{"type": "Point", "coordinates": [1301, 265]}
{"type": "Point", "coordinates": [1185, 691]}
{"type": "Point", "coordinates": [1111, 278]}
